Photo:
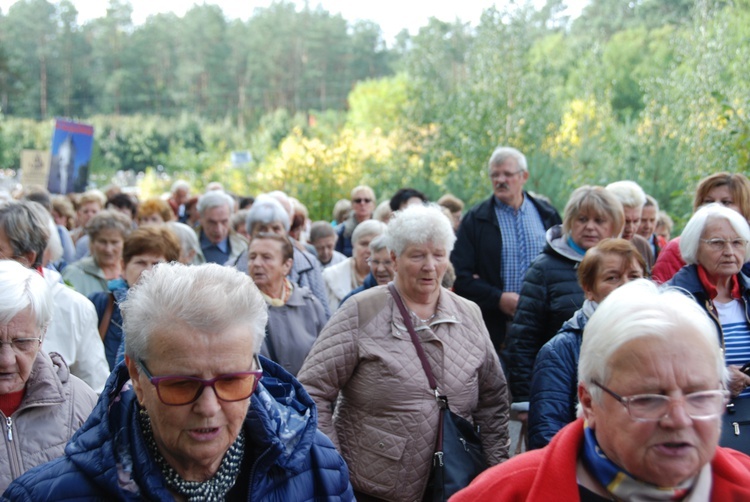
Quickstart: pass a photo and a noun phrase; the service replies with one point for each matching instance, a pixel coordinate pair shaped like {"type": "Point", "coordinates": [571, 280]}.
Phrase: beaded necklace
{"type": "Point", "coordinates": [214, 489]}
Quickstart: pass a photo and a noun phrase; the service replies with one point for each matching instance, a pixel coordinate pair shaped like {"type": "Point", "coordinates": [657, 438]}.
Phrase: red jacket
{"type": "Point", "coordinates": [668, 263]}
{"type": "Point", "coordinates": [550, 474]}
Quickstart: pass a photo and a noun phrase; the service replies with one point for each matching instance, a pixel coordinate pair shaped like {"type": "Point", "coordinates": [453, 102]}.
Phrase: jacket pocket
{"type": "Point", "coordinates": [378, 462]}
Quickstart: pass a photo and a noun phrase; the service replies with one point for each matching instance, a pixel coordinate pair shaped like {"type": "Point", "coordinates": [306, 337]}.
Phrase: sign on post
{"type": "Point", "coordinates": [72, 144]}
{"type": "Point", "coordinates": [34, 167]}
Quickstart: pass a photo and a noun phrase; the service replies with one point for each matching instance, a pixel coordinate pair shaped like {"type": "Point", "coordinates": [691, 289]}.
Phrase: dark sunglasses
{"type": "Point", "coordinates": [175, 390]}
{"type": "Point", "coordinates": [361, 201]}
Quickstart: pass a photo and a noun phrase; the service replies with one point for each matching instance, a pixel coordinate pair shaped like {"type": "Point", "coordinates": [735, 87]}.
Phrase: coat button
{"type": "Point", "coordinates": [381, 445]}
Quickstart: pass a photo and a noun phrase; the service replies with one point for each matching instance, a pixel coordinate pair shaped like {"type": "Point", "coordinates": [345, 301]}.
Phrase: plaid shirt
{"type": "Point", "coordinates": [523, 239]}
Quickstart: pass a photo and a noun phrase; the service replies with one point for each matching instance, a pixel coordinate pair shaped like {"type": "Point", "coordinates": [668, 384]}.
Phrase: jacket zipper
{"type": "Point", "coordinates": [9, 426]}
{"type": "Point", "coordinates": [14, 453]}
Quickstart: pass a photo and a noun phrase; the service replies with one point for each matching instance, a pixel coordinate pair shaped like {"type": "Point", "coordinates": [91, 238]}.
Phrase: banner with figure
{"type": "Point", "coordinates": [72, 144]}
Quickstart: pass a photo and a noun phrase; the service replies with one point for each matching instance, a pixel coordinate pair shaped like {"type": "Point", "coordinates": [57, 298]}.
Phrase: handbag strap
{"type": "Point", "coordinates": [441, 400]}
{"type": "Point", "coordinates": [414, 338]}
{"type": "Point", "coordinates": [107, 316]}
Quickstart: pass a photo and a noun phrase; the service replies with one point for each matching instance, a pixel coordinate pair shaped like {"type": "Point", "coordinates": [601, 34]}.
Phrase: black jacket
{"type": "Point", "coordinates": [476, 258]}
{"type": "Point", "coordinates": [550, 296]}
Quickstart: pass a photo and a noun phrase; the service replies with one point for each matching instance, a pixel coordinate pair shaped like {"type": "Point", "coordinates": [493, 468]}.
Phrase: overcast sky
{"type": "Point", "coordinates": [391, 15]}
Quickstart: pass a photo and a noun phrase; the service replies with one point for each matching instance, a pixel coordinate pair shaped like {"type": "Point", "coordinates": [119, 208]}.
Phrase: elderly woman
{"type": "Point", "coordinates": [190, 248]}
{"type": "Point", "coordinates": [651, 387]}
{"type": "Point", "coordinates": [268, 215]}
{"type": "Point", "coordinates": [107, 232]}
{"type": "Point", "coordinates": [728, 189]}
{"type": "Point", "coordinates": [381, 267]}
{"type": "Point", "coordinates": [323, 238]}
{"type": "Point", "coordinates": [550, 294]}
{"type": "Point", "coordinates": [143, 250]}
{"type": "Point", "coordinates": [342, 278]}
{"type": "Point", "coordinates": [41, 403]}
{"type": "Point", "coordinates": [364, 361]}
{"type": "Point", "coordinates": [363, 205]}
{"type": "Point", "coordinates": [295, 316]}
{"type": "Point", "coordinates": [188, 416]}
{"type": "Point", "coordinates": [554, 383]}
{"type": "Point", "coordinates": [715, 244]}
{"type": "Point", "coordinates": [154, 212]}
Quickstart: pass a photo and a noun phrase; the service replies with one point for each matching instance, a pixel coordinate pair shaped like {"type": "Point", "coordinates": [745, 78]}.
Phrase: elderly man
{"type": "Point", "coordinates": [218, 242]}
{"type": "Point", "coordinates": [497, 241]}
{"type": "Point", "coordinates": [363, 205]}
{"type": "Point", "coordinates": [652, 390]}
{"type": "Point", "coordinates": [72, 333]}
{"type": "Point", "coordinates": [178, 199]}
{"type": "Point", "coordinates": [633, 199]}
{"type": "Point", "coordinates": [647, 229]}
{"type": "Point", "coordinates": [323, 238]}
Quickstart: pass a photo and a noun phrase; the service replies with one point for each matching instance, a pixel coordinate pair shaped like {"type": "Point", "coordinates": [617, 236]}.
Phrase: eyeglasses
{"type": "Point", "coordinates": [361, 201]}
{"type": "Point", "coordinates": [174, 390]}
{"type": "Point", "coordinates": [377, 263]}
{"type": "Point", "coordinates": [21, 345]}
{"type": "Point", "coordinates": [504, 174]}
{"type": "Point", "coordinates": [720, 244]}
{"type": "Point", "coordinates": [702, 405]}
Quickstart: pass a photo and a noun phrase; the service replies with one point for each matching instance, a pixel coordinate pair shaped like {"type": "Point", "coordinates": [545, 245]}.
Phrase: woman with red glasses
{"type": "Point", "coordinates": [188, 417]}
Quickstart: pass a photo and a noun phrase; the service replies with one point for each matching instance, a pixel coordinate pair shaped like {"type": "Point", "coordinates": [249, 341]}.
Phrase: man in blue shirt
{"type": "Point", "coordinates": [497, 241]}
{"type": "Point", "coordinates": [218, 242]}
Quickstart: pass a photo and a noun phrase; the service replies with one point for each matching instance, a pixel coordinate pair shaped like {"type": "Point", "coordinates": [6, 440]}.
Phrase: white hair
{"type": "Point", "coordinates": [629, 193]}
{"type": "Point", "coordinates": [379, 243]}
{"type": "Point", "coordinates": [691, 237]}
{"type": "Point", "coordinates": [266, 210]}
{"type": "Point", "coordinates": [284, 200]}
{"type": "Point", "coordinates": [54, 245]}
{"type": "Point", "coordinates": [502, 154]}
{"type": "Point", "coordinates": [188, 238]}
{"type": "Point", "coordinates": [22, 288]}
{"type": "Point", "coordinates": [420, 224]}
{"type": "Point", "coordinates": [180, 184]}
{"type": "Point", "coordinates": [215, 198]}
{"type": "Point", "coordinates": [636, 310]}
{"type": "Point", "coordinates": [207, 298]}
{"type": "Point", "coordinates": [368, 228]}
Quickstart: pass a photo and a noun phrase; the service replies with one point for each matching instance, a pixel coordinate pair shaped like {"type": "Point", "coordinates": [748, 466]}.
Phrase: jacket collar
{"type": "Point", "coordinates": [446, 307]}
{"type": "Point", "coordinates": [44, 386]}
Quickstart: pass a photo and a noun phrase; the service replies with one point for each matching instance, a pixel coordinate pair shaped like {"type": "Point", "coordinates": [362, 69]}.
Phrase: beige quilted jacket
{"type": "Point", "coordinates": [386, 415]}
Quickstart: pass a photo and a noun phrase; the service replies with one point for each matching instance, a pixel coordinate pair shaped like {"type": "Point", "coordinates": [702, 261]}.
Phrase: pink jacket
{"type": "Point", "coordinates": [386, 416]}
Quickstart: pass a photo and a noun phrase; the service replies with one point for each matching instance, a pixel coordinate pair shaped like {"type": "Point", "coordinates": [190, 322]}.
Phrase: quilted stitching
{"type": "Point", "coordinates": [385, 399]}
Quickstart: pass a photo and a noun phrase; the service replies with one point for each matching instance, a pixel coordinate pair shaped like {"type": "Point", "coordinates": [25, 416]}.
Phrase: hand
{"type": "Point", "coordinates": [738, 381]}
{"type": "Point", "coordinates": [522, 416]}
{"type": "Point", "coordinates": [508, 303]}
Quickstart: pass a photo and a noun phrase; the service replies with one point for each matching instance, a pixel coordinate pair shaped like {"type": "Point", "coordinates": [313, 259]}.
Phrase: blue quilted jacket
{"type": "Point", "coordinates": [554, 384]}
{"type": "Point", "coordinates": [107, 458]}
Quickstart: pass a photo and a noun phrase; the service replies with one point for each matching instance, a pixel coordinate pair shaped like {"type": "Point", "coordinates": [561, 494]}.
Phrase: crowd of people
{"type": "Point", "coordinates": [217, 347]}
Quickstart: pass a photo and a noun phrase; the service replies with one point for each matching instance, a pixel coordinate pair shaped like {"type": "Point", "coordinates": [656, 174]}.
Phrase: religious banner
{"type": "Point", "coordinates": [34, 167]}
{"type": "Point", "coordinates": [72, 144]}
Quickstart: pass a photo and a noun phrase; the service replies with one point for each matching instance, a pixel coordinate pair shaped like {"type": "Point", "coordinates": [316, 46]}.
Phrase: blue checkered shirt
{"type": "Point", "coordinates": [523, 238]}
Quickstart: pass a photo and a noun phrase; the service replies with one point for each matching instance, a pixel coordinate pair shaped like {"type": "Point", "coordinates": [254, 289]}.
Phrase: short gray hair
{"type": "Point", "coordinates": [597, 200]}
{"type": "Point", "coordinates": [22, 288]}
{"type": "Point", "coordinates": [420, 224]}
{"type": "Point", "coordinates": [379, 243]}
{"type": "Point", "coordinates": [629, 193]}
{"type": "Point", "coordinates": [691, 237]}
{"type": "Point", "coordinates": [367, 228]}
{"type": "Point", "coordinates": [108, 219]}
{"type": "Point", "coordinates": [26, 226]}
{"type": "Point", "coordinates": [180, 184]}
{"type": "Point", "coordinates": [266, 210]}
{"type": "Point", "coordinates": [504, 153]}
{"type": "Point", "coordinates": [652, 202]}
{"type": "Point", "coordinates": [636, 310]}
{"type": "Point", "coordinates": [207, 298]}
{"type": "Point", "coordinates": [215, 198]}
{"type": "Point", "coordinates": [186, 235]}
{"type": "Point", "coordinates": [54, 245]}
{"type": "Point", "coordinates": [320, 230]}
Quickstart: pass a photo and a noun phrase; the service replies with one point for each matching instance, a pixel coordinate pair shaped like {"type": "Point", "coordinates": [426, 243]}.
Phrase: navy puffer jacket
{"type": "Point", "coordinates": [550, 295]}
{"type": "Point", "coordinates": [107, 458]}
{"type": "Point", "coordinates": [554, 384]}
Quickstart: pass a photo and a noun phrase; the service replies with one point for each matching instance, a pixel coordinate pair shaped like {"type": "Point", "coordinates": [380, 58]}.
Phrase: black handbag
{"type": "Point", "coordinates": [458, 456]}
{"type": "Point", "coordinates": [735, 426]}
